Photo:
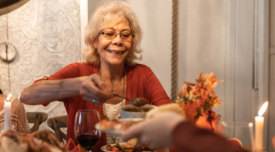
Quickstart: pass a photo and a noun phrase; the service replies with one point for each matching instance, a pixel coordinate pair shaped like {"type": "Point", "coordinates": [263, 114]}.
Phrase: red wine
{"type": "Point", "coordinates": [87, 141]}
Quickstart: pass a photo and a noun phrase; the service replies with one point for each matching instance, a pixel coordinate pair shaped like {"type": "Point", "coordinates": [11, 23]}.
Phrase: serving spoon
{"type": "Point", "coordinates": [134, 101]}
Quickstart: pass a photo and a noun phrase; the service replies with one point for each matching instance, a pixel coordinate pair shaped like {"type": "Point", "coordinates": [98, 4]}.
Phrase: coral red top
{"type": "Point", "coordinates": [141, 82]}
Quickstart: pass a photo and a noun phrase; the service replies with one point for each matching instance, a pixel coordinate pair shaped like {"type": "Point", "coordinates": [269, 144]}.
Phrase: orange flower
{"type": "Point", "coordinates": [200, 94]}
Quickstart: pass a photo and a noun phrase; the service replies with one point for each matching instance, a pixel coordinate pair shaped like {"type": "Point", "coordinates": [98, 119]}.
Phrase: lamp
{"type": "Point", "coordinates": [7, 50]}
{"type": "Point", "coordinates": [7, 6]}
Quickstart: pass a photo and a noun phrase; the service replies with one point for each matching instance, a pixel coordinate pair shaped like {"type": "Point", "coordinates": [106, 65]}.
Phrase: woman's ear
{"type": "Point", "coordinates": [95, 43]}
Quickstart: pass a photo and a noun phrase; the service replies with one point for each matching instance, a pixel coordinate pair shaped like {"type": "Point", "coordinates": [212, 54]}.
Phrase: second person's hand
{"type": "Point", "coordinates": [157, 131]}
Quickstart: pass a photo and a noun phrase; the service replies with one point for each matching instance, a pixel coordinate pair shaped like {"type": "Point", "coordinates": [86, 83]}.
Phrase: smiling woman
{"type": "Point", "coordinates": [113, 38]}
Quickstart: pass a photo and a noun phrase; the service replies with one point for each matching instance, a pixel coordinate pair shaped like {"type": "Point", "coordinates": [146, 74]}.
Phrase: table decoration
{"type": "Point", "coordinates": [198, 99]}
{"type": "Point", "coordinates": [259, 125]}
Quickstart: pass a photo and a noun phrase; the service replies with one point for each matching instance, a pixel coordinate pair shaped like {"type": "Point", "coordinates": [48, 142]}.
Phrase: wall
{"type": "Point", "coordinates": [46, 35]}
{"type": "Point", "coordinates": [271, 110]}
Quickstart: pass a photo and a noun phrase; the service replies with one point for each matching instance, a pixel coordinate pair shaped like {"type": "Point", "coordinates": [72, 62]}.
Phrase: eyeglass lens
{"type": "Point", "coordinates": [110, 34]}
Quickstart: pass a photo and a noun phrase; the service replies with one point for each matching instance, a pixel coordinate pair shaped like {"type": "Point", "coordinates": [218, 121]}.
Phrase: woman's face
{"type": "Point", "coordinates": [114, 51]}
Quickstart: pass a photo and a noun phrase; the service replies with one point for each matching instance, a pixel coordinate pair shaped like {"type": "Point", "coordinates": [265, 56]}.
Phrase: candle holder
{"type": "Point", "coordinates": [238, 132]}
{"type": "Point", "coordinates": [13, 127]}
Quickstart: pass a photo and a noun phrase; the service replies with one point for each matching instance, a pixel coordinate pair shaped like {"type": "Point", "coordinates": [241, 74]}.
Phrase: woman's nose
{"type": "Point", "coordinates": [118, 40]}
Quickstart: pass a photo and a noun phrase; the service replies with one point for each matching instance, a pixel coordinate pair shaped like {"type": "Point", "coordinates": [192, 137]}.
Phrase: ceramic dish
{"type": "Point", "coordinates": [128, 114]}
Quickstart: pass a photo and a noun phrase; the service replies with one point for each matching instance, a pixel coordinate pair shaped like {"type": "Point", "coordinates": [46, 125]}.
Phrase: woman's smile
{"type": "Point", "coordinates": [116, 51]}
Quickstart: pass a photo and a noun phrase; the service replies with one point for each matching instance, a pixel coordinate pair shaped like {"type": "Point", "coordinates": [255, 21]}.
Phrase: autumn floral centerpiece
{"type": "Point", "coordinates": [198, 99]}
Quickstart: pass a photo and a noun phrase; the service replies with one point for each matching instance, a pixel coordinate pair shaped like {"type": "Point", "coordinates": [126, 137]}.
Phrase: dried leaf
{"type": "Point", "coordinates": [214, 85]}
{"type": "Point", "coordinates": [189, 89]}
{"type": "Point", "coordinates": [204, 78]}
{"type": "Point", "coordinates": [185, 99]}
{"type": "Point", "coordinates": [183, 90]}
{"type": "Point", "coordinates": [179, 94]}
{"type": "Point", "coordinates": [220, 81]}
{"type": "Point", "coordinates": [189, 83]}
{"type": "Point", "coordinates": [200, 75]}
{"type": "Point", "coordinates": [210, 76]}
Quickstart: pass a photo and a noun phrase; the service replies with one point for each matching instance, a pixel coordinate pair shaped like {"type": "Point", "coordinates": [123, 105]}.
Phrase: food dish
{"type": "Point", "coordinates": [104, 148]}
{"type": "Point", "coordinates": [119, 129]}
{"type": "Point", "coordinates": [125, 113]}
{"type": "Point", "coordinates": [130, 148]}
{"type": "Point", "coordinates": [117, 132]}
{"type": "Point", "coordinates": [42, 140]}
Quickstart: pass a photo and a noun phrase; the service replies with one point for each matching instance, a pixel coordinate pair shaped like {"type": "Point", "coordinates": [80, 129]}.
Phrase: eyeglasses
{"type": "Point", "coordinates": [124, 35]}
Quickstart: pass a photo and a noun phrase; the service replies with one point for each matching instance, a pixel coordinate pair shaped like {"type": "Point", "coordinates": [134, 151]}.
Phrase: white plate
{"type": "Point", "coordinates": [117, 132]}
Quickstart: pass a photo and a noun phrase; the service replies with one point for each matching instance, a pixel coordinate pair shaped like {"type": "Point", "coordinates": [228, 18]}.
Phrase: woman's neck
{"type": "Point", "coordinates": [113, 73]}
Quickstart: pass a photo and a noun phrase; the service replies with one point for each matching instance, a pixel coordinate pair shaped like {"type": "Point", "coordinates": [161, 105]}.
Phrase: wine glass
{"type": "Point", "coordinates": [240, 133]}
{"type": "Point", "coordinates": [85, 132]}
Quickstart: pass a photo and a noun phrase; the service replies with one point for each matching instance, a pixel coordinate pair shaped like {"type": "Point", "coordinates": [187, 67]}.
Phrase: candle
{"type": "Point", "coordinates": [259, 125]}
{"type": "Point", "coordinates": [7, 113]}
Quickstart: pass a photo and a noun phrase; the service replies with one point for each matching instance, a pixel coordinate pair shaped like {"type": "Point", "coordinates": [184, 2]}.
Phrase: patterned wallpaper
{"type": "Point", "coordinates": [46, 34]}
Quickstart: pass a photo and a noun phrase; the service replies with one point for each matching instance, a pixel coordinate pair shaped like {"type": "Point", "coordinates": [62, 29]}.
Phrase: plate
{"type": "Point", "coordinates": [117, 132]}
{"type": "Point", "coordinates": [103, 148]}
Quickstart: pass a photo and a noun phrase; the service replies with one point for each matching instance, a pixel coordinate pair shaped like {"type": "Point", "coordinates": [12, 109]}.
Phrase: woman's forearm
{"type": "Point", "coordinates": [46, 91]}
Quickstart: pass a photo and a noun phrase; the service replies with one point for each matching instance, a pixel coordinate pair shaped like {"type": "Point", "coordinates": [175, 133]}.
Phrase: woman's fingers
{"type": "Point", "coordinates": [94, 90]}
{"type": "Point", "coordinates": [98, 82]}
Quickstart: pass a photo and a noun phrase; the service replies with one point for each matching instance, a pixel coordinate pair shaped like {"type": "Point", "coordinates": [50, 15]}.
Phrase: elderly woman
{"type": "Point", "coordinates": [113, 38]}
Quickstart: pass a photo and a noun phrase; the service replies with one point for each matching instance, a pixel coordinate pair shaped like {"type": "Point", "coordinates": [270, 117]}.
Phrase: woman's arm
{"type": "Point", "coordinates": [91, 88]}
{"type": "Point", "coordinates": [46, 91]}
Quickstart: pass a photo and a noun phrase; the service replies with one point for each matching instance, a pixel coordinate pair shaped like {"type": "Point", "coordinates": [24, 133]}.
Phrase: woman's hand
{"type": "Point", "coordinates": [94, 90]}
{"type": "Point", "coordinates": [157, 131]}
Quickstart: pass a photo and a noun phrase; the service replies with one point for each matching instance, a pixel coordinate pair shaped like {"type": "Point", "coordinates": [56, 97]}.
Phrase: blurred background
{"type": "Point", "coordinates": [234, 39]}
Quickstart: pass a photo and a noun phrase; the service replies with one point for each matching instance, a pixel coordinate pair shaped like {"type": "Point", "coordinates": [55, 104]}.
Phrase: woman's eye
{"type": "Point", "coordinates": [125, 35]}
{"type": "Point", "coordinates": [109, 34]}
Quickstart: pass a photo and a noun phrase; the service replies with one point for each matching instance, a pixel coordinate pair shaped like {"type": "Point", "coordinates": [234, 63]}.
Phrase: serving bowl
{"type": "Point", "coordinates": [130, 111]}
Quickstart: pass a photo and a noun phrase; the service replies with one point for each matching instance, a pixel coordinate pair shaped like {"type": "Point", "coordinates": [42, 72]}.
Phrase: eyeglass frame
{"type": "Point", "coordinates": [101, 32]}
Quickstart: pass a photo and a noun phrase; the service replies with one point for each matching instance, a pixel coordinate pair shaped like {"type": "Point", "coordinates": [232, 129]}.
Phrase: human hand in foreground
{"type": "Point", "coordinates": [94, 90]}
{"type": "Point", "coordinates": [157, 131]}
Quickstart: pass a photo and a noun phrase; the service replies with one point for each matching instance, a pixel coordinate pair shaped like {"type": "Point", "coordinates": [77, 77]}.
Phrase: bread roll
{"type": "Point", "coordinates": [166, 108]}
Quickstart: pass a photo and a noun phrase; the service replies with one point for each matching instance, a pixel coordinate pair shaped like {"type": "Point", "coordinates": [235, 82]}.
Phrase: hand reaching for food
{"type": "Point", "coordinates": [151, 131]}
